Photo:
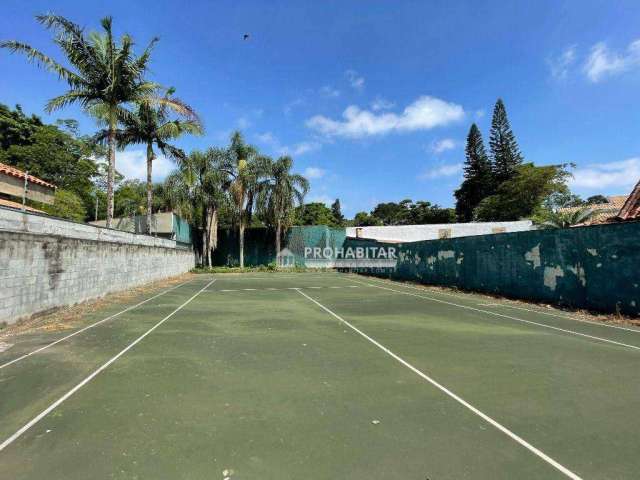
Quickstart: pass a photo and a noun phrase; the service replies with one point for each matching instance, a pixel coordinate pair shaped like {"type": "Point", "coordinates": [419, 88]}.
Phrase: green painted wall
{"type": "Point", "coordinates": [595, 267]}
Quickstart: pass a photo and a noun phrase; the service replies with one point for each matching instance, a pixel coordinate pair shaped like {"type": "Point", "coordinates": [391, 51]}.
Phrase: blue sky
{"type": "Point", "coordinates": [373, 99]}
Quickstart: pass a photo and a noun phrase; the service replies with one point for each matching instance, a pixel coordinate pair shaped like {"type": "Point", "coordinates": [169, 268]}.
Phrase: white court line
{"type": "Point", "coordinates": [522, 320]}
{"type": "Point", "coordinates": [566, 317]}
{"type": "Point", "coordinates": [90, 326]}
{"type": "Point", "coordinates": [55, 404]}
{"type": "Point", "coordinates": [448, 392]}
{"type": "Point", "coordinates": [274, 289]}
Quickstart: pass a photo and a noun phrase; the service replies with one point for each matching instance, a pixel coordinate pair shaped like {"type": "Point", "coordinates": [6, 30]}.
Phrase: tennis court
{"type": "Point", "coordinates": [321, 376]}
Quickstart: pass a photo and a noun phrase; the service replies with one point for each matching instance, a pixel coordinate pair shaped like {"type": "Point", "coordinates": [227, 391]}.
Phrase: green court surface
{"type": "Point", "coordinates": [321, 376]}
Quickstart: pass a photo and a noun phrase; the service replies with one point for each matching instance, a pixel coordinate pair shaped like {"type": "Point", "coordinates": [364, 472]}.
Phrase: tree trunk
{"type": "Point", "coordinates": [212, 222]}
{"type": "Point", "coordinates": [278, 233]}
{"type": "Point", "coordinates": [150, 158]}
{"type": "Point", "coordinates": [111, 170]}
{"type": "Point", "coordinates": [241, 244]}
{"type": "Point", "coordinates": [205, 239]}
{"type": "Point", "coordinates": [213, 229]}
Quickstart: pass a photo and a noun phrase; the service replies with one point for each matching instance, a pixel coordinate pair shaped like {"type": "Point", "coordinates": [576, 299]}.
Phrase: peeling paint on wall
{"type": "Point", "coordinates": [533, 256]}
{"type": "Point", "coordinates": [578, 271]}
{"type": "Point", "coordinates": [442, 254]}
{"type": "Point", "coordinates": [550, 276]}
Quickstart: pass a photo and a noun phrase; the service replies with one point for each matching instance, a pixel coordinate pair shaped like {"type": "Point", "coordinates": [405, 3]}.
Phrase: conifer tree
{"type": "Point", "coordinates": [478, 177]}
{"type": "Point", "coordinates": [337, 212]}
{"type": "Point", "coordinates": [505, 153]}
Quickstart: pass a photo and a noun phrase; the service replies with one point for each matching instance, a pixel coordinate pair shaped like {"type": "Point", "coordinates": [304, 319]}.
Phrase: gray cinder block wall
{"type": "Point", "coordinates": [47, 262]}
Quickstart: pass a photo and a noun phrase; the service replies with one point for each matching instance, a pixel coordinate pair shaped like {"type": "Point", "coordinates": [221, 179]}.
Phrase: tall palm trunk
{"type": "Point", "coordinates": [111, 172]}
{"type": "Point", "coordinates": [241, 244]}
{"type": "Point", "coordinates": [278, 234]}
{"type": "Point", "coordinates": [150, 158]}
{"type": "Point", "coordinates": [213, 229]}
{"type": "Point", "coordinates": [206, 254]}
{"type": "Point", "coordinates": [212, 223]}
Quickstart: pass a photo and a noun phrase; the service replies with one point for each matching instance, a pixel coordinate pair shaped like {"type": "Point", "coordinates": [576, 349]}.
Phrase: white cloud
{"type": "Point", "coordinates": [480, 113]}
{"type": "Point", "coordinates": [313, 173]}
{"type": "Point", "coordinates": [381, 103]}
{"type": "Point", "coordinates": [441, 171]}
{"type": "Point", "coordinates": [423, 114]}
{"type": "Point", "coordinates": [559, 66]}
{"type": "Point", "coordinates": [603, 62]}
{"type": "Point", "coordinates": [329, 91]}
{"type": "Point", "coordinates": [355, 80]}
{"type": "Point", "coordinates": [623, 175]}
{"type": "Point", "coordinates": [443, 145]}
{"type": "Point", "coordinates": [297, 102]}
{"type": "Point", "coordinates": [133, 165]}
{"type": "Point", "coordinates": [243, 122]}
{"type": "Point", "coordinates": [296, 149]}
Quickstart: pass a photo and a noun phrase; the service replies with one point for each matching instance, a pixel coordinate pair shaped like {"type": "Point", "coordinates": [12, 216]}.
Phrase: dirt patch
{"type": "Point", "coordinates": [65, 318]}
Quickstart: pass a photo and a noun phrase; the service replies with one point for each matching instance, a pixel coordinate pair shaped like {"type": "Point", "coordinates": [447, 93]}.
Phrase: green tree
{"type": "Point", "coordinates": [566, 219]}
{"type": "Point", "coordinates": [153, 125]}
{"type": "Point", "coordinates": [422, 213]}
{"type": "Point", "coordinates": [67, 205]}
{"type": "Point", "coordinates": [197, 191]}
{"type": "Point", "coordinates": [505, 152]}
{"type": "Point", "coordinates": [284, 191]}
{"type": "Point", "coordinates": [315, 213]}
{"type": "Point", "coordinates": [392, 213]}
{"type": "Point", "coordinates": [363, 219]}
{"type": "Point", "coordinates": [337, 212]}
{"type": "Point", "coordinates": [478, 177]}
{"type": "Point", "coordinates": [596, 199]}
{"type": "Point", "coordinates": [524, 194]}
{"type": "Point", "coordinates": [106, 76]}
{"type": "Point", "coordinates": [129, 198]}
{"type": "Point", "coordinates": [248, 174]}
{"type": "Point", "coordinates": [54, 153]}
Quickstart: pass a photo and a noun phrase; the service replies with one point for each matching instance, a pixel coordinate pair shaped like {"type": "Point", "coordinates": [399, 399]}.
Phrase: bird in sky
{"type": "Point", "coordinates": [246, 36]}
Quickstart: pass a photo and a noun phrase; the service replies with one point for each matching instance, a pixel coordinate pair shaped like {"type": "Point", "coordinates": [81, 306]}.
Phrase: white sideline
{"type": "Point", "coordinates": [22, 357]}
{"type": "Point", "coordinates": [448, 392]}
{"type": "Point", "coordinates": [55, 404]}
{"type": "Point", "coordinates": [508, 305]}
{"type": "Point", "coordinates": [522, 320]}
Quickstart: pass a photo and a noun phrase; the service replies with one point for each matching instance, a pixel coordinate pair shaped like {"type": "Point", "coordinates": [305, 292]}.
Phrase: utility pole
{"type": "Point", "coordinates": [24, 192]}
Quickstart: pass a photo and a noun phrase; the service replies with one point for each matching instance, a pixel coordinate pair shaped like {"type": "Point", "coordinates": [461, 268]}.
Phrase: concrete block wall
{"type": "Point", "coordinates": [47, 262]}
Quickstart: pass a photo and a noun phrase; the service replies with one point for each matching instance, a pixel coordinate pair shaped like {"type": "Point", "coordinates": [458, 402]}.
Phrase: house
{"type": "Point", "coordinates": [163, 224]}
{"type": "Point", "coordinates": [603, 212]}
{"type": "Point", "coordinates": [630, 210]}
{"type": "Point", "coordinates": [16, 184]}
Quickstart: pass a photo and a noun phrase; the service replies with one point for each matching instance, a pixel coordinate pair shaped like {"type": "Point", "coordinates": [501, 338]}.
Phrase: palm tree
{"type": "Point", "coordinates": [196, 189]}
{"type": "Point", "coordinates": [566, 219]}
{"type": "Point", "coordinates": [285, 191]}
{"type": "Point", "coordinates": [152, 124]}
{"type": "Point", "coordinates": [248, 180]}
{"type": "Point", "coordinates": [105, 77]}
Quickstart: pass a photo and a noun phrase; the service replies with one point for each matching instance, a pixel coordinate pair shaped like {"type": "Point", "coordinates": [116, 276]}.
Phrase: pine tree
{"type": "Point", "coordinates": [505, 153]}
{"type": "Point", "coordinates": [478, 177]}
{"type": "Point", "coordinates": [337, 212]}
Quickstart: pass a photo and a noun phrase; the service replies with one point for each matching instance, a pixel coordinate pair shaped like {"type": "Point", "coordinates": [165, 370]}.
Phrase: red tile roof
{"type": "Point", "coordinates": [15, 172]}
{"type": "Point", "coordinates": [8, 203]}
{"type": "Point", "coordinates": [604, 212]}
{"type": "Point", "coordinates": [631, 208]}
